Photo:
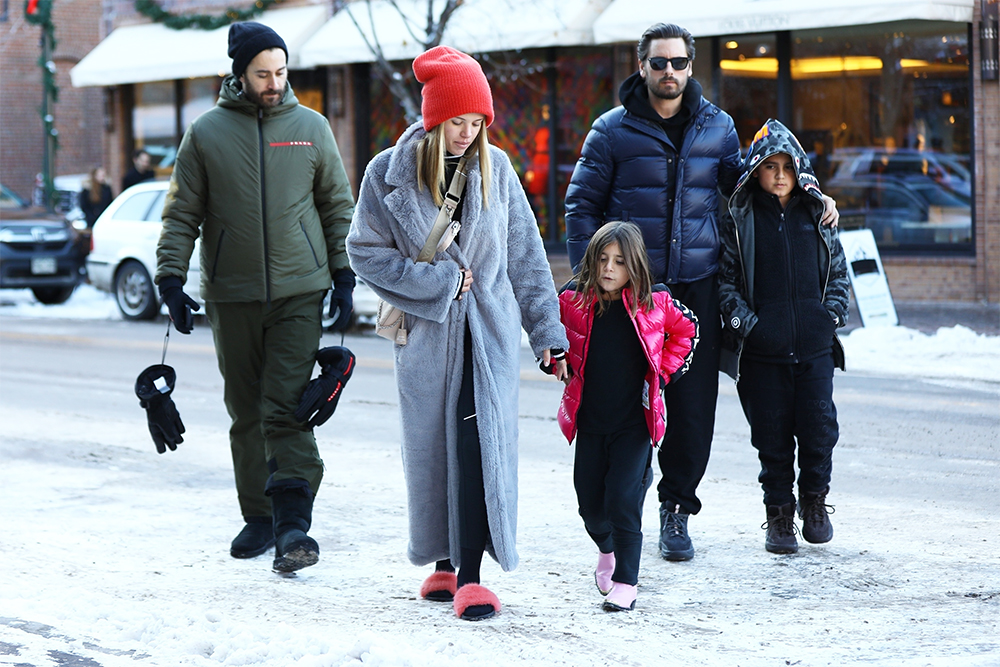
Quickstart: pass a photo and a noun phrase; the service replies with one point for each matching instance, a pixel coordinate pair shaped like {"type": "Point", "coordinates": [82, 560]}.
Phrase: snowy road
{"type": "Point", "coordinates": [117, 556]}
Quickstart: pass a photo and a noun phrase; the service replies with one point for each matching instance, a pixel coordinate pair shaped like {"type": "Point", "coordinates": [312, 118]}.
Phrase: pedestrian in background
{"type": "Point", "coordinates": [259, 179]}
{"type": "Point", "coordinates": [96, 196]}
{"type": "Point", "coordinates": [784, 291]}
{"type": "Point", "coordinates": [458, 372]}
{"type": "Point", "coordinates": [140, 170]}
{"type": "Point", "coordinates": [660, 161]}
{"type": "Point", "coordinates": [627, 340]}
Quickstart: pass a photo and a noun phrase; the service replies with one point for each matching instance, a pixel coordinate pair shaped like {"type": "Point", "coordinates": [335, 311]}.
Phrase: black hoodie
{"type": "Point", "coordinates": [635, 98]}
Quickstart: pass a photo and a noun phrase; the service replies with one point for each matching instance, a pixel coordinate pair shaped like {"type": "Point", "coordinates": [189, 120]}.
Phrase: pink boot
{"type": "Point", "coordinates": [621, 598]}
{"type": "Point", "coordinates": [605, 568]}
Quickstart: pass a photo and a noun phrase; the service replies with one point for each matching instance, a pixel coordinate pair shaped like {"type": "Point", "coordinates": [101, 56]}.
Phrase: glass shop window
{"type": "Point", "coordinates": [884, 112]}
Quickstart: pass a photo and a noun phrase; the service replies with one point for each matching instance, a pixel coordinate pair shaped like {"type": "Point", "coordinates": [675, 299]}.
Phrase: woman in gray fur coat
{"type": "Point", "coordinates": [458, 371]}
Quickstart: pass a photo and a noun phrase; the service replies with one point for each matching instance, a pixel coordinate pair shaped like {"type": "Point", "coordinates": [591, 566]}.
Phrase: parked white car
{"type": "Point", "coordinates": [122, 259]}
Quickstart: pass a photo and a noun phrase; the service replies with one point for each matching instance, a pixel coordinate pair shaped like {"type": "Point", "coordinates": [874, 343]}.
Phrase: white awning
{"type": "Point", "coordinates": [626, 20]}
{"type": "Point", "coordinates": [477, 26]}
{"type": "Point", "coordinates": [154, 52]}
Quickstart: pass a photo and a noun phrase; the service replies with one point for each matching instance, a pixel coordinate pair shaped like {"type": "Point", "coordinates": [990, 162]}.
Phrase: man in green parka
{"type": "Point", "coordinates": [260, 180]}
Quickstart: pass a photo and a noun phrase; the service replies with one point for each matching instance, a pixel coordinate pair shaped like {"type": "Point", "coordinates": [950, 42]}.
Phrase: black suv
{"type": "Point", "coordinates": [41, 252]}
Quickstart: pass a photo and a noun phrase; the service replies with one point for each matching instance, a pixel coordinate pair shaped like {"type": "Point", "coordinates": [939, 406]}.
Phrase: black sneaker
{"type": "Point", "coordinates": [674, 541]}
{"type": "Point", "coordinates": [815, 513]}
{"type": "Point", "coordinates": [780, 527]}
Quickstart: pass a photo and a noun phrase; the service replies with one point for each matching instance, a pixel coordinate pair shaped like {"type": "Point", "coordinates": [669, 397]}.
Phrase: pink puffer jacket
{"type": "Point", "coordinates": [669, 334]}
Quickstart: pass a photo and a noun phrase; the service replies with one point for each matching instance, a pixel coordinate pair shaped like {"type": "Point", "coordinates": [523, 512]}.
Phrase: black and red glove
{"type": "Point", "coordinates": [321, 396]}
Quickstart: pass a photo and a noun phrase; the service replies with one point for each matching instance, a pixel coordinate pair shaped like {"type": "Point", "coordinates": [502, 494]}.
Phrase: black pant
{"type": "Point", "coordinates": [473, 525]}
{"type": "Point", "coordinates": [611, 474]}
{"type": "Point", "coordinates": [690, 402]}
{"type": "Point", "coordinates": [785, 403]}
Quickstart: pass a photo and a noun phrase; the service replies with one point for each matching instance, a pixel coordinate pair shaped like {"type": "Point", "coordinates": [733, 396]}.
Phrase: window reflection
{"type": "Point", "coordinates": [884, 113]}
{"type": "Point", "coordinates": [154, 121]}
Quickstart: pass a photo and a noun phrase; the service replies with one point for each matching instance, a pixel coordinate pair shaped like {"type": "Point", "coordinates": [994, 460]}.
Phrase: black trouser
{"type": "Point", "coordinates": [690, 402]}
{"type": "Point", "coordinates": [473, 525]}
{"type": "Point", "coordinates": [611, 474]}
{"type": "Point", "coordinates": [785, 403]}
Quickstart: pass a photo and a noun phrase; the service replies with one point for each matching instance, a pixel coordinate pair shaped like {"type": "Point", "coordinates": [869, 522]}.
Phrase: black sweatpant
{"type": "Point", "coordinates": [691, 401]}
{"type": "Point", "coordinates": [611, 474]}
{"type": "Point", "coordinates": [785, 403]}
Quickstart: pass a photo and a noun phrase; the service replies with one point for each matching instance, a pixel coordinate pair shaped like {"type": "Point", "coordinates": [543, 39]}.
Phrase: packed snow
{"type": "Point", "coordinates": [115, 556]}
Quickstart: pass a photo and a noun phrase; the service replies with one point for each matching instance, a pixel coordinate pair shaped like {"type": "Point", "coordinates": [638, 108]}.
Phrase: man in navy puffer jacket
{"type": "Point", "coordinates": [660, 161]}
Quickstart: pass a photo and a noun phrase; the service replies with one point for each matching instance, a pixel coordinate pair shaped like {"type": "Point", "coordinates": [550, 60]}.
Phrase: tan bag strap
{"type": "Point", "coordinates": [443, 219]}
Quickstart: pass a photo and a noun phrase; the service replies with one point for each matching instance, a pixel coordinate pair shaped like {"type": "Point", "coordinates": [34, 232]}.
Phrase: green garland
{"type": "Point", "coordinates": [151, 10]}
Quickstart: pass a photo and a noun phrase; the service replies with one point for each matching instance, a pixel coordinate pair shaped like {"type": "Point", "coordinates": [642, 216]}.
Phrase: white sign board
{"type": "Point", "coordinates": [871, 289]}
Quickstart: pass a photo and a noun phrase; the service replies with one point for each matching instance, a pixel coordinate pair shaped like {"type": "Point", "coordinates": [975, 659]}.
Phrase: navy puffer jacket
{"type": "Point", "coordinates": [623, 174]}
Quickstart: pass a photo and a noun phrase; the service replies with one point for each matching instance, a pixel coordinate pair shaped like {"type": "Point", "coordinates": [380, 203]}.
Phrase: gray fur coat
{"type": "Point", "coordinates": [512, 288]}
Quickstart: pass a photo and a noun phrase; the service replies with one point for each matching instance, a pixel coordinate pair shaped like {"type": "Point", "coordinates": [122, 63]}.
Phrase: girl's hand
{"type": "Point", "coordinates": [561, 368]}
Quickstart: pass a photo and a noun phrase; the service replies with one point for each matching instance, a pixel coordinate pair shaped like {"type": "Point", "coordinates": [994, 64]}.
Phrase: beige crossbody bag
{"type": "Point", "coordinates": [390, 322]}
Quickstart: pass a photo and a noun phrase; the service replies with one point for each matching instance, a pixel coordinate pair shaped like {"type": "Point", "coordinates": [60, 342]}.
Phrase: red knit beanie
{"type": "Point", "coordinates": [454, 84]}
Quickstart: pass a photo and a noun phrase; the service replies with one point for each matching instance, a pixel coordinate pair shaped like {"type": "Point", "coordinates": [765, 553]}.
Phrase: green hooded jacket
{"type": "Point", "coordinates": [267, 191]}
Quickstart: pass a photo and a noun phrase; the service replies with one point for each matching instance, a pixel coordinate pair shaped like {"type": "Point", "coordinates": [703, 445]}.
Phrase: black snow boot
{"type": "Point", "coordinates": [255, 538]}
{"type": "Point", "coordinates": [815, 513]}
{"type": "Point", "coordinates": [293, 549]}
{"type": "Point", "coordinates": [780, 526]}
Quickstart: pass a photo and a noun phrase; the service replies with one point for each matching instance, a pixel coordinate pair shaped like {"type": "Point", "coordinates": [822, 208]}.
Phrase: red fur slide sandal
{"type": "Point", "coordinates": [475, 603]}
{"type": "Point", "coordinates": [439, 587]}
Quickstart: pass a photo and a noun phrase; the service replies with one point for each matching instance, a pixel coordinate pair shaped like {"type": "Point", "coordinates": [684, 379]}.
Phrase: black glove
{"type": "Point", "coordinates": [342, 299]}
{"type": "Point", "coordinates": [322, 394]}
{"type": "Point", "coordinates": [178, 303]}
{"type": "Point", "coordinates": [153, 387]}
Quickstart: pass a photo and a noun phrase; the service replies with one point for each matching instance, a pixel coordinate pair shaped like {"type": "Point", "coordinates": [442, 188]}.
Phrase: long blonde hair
{"type": "Point", "coordinates": [640, 282]}
{"type": "Point", "coordinates": [430, 163]}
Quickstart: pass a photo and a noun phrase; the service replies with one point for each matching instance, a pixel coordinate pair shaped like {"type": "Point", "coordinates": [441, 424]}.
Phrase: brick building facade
{"type": "Point", "coordinates": [79, 113]}
{"type": "Point", "coordinates": [95, 126]}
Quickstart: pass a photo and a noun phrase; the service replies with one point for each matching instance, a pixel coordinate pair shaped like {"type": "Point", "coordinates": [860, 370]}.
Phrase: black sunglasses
{"type": "Point", "coordinates": [679, 63]}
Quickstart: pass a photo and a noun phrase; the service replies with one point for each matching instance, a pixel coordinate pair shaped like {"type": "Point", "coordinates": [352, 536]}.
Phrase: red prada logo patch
{"type": "Point", "coordinates": [291, 143]}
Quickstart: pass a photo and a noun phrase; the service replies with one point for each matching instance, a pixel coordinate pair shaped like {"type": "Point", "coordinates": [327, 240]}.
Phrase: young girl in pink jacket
{"type": "Point", "coordinates": [627, 340]}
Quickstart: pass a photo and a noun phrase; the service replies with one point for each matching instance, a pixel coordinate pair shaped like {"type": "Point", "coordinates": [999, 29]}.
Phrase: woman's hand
{"type": "Point", "coordinates": [466, 282]}
{"type": "Point", "coordinates": [561, 369]}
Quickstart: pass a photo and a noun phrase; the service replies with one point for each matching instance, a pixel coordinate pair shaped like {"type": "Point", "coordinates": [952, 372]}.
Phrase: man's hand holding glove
{"type": "Point", "coordinates": [153, 387]}
{"type": "Point", "coordinates": [342, 299]}
{"type": "Point", "coordinates": [321, 396]}
{"type": "Point", "coordinates": [178, 303]}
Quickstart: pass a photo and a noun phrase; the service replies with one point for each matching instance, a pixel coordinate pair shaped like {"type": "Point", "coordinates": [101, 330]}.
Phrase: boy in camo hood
{"type": "Point", "coordinates": [783, 293]}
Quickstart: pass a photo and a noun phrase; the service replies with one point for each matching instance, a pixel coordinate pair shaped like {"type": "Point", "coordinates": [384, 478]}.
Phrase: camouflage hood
{"type": "Point", "coordinates": [773, 138]}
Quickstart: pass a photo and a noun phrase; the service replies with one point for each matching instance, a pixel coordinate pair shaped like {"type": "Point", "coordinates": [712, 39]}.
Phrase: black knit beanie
{"type": "Point", "coordinates": [247, 39]}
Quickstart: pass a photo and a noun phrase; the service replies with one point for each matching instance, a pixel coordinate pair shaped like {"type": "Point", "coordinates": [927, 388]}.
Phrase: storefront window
{"type": "Point", "coordinates": [749, 85]}
{"type": "Point", "coordinates": [884, 112]}
{"type": "Point", "coordinates": [154, 121]}
{"type": "Point", "coordinates": [200, 95]}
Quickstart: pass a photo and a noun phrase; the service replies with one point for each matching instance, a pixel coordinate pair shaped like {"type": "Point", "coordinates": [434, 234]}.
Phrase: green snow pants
{"type": "Point", "coordinates": [266, 354]}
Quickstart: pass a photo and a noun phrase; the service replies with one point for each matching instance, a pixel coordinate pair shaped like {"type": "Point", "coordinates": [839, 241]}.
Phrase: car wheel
{"type": "Point", "coordinates": [52, 296]}
{"type": "Point", "coordinates": [134, 292]}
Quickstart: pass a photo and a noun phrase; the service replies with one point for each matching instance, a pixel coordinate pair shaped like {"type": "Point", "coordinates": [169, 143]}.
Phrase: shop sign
{"type": "Point", "coordinates": [871, 289]}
